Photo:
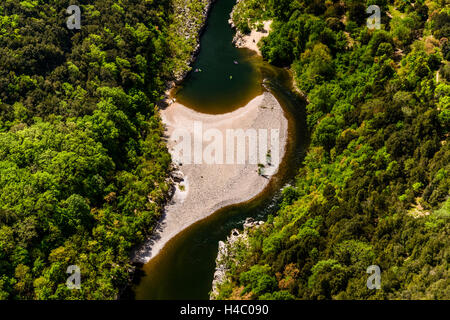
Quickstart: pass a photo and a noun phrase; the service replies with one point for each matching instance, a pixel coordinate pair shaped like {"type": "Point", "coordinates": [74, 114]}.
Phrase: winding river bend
{"type": "Point", "coordinates": [185, 267]}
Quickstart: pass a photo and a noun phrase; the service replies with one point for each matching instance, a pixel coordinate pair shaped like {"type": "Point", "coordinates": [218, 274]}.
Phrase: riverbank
{"type": "Point", "coordinates": [251, 40]}
{"type": "Point", "coordinates": [189, 23]}
{"type": "Point", "coordinates": [204, 188]}
{"type": "Point", "coordinates": [225, 255]}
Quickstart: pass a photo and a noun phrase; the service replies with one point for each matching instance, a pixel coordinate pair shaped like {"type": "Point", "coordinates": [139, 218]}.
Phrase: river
{"type": "Point", "coordinates": [185, 267]}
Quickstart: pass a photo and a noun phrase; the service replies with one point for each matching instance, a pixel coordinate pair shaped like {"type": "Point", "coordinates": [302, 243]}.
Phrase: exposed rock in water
{"type": "Point", "coordinates": [238, 39]}
{"type": "Point", "coordinates": [225, 257]}
{"type": "Point", "coordinates": [192, 28]}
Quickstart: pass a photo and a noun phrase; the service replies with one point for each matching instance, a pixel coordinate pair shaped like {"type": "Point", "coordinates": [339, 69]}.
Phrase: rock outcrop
{"type": "Point", "coordinates": [189, 29]}
{"type": "Point", "coordinates": [225, 257]}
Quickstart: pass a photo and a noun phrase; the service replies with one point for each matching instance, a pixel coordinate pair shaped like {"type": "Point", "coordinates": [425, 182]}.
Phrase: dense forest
{"type": "Point", "coordinates": [84, 170]}
{"type": "Point", "coordinates": [83, 166]}
{"type": "Point", "coordinates": [374, 187]}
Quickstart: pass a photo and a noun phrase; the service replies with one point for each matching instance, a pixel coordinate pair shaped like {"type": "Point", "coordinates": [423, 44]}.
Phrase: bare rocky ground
{"type": "Point", "coordinates": [204, 188]}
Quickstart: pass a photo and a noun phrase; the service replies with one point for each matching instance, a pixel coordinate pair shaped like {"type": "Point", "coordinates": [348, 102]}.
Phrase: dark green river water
{"type": "Point", "coordinates": [221, 85]}
{"type": "Point", "coordinates": [184, 269]}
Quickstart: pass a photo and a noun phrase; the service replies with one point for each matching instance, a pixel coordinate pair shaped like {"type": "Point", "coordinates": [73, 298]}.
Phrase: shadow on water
{"type": "Point", "coordinates": [184, 269]}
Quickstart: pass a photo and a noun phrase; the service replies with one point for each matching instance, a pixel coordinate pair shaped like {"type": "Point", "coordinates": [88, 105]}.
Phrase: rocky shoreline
{"type": "Point", "coordinates": [225, 257]}
{"type": "Point", "coordinates": [238, 35]}
{"type": "Point", "coordinates": [191, 30]}
{"type": "Point", "coordinates": [250, 40]}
